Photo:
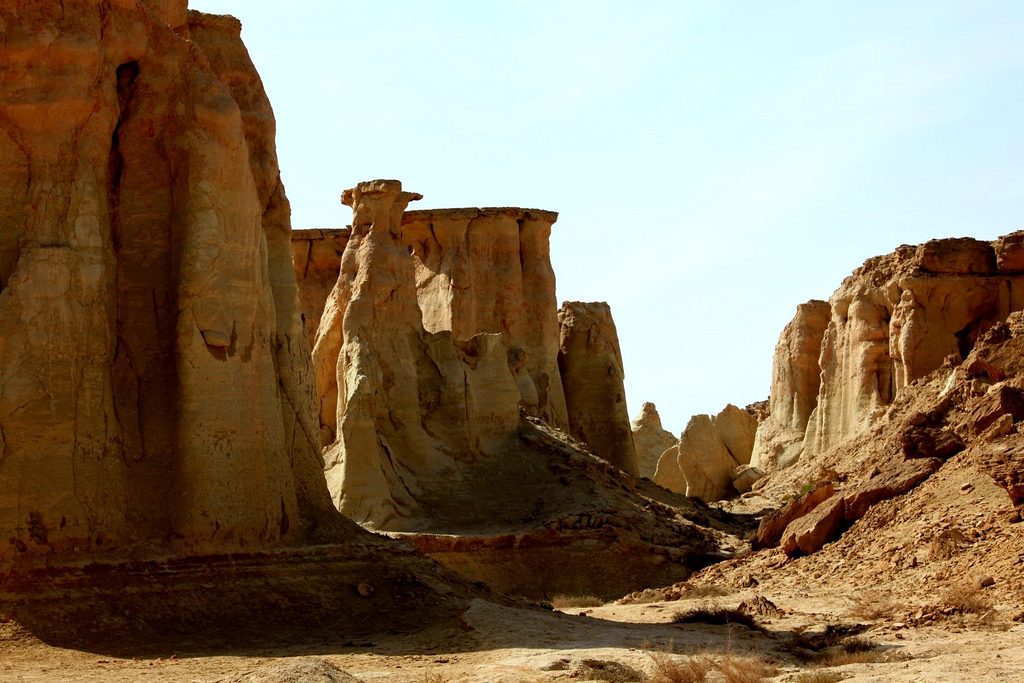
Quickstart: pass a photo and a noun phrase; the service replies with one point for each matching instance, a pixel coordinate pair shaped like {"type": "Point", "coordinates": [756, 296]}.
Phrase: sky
{"type": "Point", "coordinates": [713, 163]}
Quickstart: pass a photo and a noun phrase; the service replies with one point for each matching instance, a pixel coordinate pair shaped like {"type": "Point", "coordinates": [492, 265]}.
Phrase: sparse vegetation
{"type": "Point", "coordinates": [737, 670]}
{"type": "Point", "coordinates": [965, 600]}
{"type": "Point", "coordinates": [819, 677]}
{"type": "Point", "coordinates": [668, 669]}
{"type": "Point", "coordinates": [574, 601]}
{"type": "Point", "coordinates": [682, 591]}
{"type": "Point", "coordinates": [605, 670]}
{"type": "Point", "coordinates": [875, 605]}
{"type": "Point", "coordinates": [715, 614]}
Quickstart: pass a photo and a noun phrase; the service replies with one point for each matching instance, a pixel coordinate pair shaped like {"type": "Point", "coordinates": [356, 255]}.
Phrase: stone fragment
{"type": "Point", "coordinates": [771, 528]}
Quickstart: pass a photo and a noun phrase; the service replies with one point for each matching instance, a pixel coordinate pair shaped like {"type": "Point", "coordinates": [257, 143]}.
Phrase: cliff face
{"type": "Point", "coordinates": [489, 271]}
{"type": "Point", "coordinates": [592, 374]}
{"type": "Point", "coordinates": [153, 378]}
{"type": "Point", "coordinates": [895, 320]}
{"type": "Point", "coordinates": [796, 379]}
{"type": "Point", "coordinates": [316, 256]}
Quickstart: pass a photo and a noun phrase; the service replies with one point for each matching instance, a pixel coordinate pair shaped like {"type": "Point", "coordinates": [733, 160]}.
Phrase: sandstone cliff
{"type": "Point", "coordinates": [592, 374]}
{"type": "Point", "coordinates": [705, 462]}
{"type": "Point", "coordinates": [437, 437]}
{"type": "Point", "coordinates": [154, 384]}
{"type": "Point", "coordinates": [316, 256]}
{"type": "Point", "coordinates": [650, 439]}
{"type": "Point", "coordinates": [796, 379]}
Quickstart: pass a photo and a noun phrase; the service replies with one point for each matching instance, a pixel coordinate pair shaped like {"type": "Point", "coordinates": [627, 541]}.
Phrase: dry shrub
{"type": "Point", "coordinates": [667, 669]}
{"type": "Point", "coordinates": [680, 591]}
{"type": "Point", "coordinates": [607, 671]}
{"type": "Point", "coordinates": [716, 615]}
{"type": "Point", "coordinates": [875, 605]}
{"type": "Point", "coordinates": [965, 600]}
{"type": "Point", "coordinates": [428, 677]}
{"type": "Point", "coordinates": [572, 601]}
{"type": "Point", "coordinates": [819, 677]}
{"type": "Point", "coordinates": [735, 670]}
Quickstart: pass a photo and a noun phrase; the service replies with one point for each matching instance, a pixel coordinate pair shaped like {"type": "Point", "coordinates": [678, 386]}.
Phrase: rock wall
{"type": "Point", "coordinates": [704, 463]}
{"type": "Point", "coordinates": [154, 385]}
{"type": "Point", "coordinates": [895, 320]}
{"type": "Point", "coordinates": [316, 257]}
{"type": "Point", "coordinates": [592, 376]}
{"type": "Point", "coordinates": [489, 271]}
{"type": "Point", "coordinates": [796, 379]}
{"type": "Point", "coordinates": [650, 439]}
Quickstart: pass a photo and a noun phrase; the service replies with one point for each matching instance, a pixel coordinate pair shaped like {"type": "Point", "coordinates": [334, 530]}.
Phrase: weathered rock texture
{"type": "Point", "coordinates": [154, 384]}
{"type": "Point", "coordinates": [437, 438]}
{"type": "Point", "coordinates": [893, 321]}
{"type": "Point", "coordinates": [650, 439]}
{"type": "Point", "coordinates": [796, 379]}
{"type": "Point", "coordinates": [489, 271]}
{"type": "Point", "coordinates": [592, 374]}
{"type": "Point", "coordinates": [316, 256]}
{"type": "Point", "coordinates": [704, 463]}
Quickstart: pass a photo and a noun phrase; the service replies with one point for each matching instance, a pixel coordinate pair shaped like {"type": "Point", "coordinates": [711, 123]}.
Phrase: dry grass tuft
{"type": "Point", "coordinates": [428, 677]}
{"type": "Point", "coordinates": [572, 601]}
{"type": "Point", "coordinates": [607, 671]}
{"type": "Point", "coordinates": [819, 677]}
{"type": "Point", "coordinates": [667, 669]}
{"type": "Point", "coordinates": [874, 605]}
{"type": "Point", "coordinates": [680, 591]}
{"type": "Point", "coordinates": [735, 670]}
{"type": "Point", "coordinates": [965, 600]}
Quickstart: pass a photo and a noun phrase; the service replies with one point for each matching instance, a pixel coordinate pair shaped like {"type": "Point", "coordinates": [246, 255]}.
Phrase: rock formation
{"type": "Point", "coordinates": [316, 256]}
{"type": "Point", "coordinates": [592, 375]}
{"type": "Point", "coordinates": [489, 271]}
{"type": "Point", "coordinates": [704, 463]}
{"type": "Point", "coordinates": [796, 379]}
{"type": "Point", "coordinates": [437, 437]}
{"type": "Point", "coordinates": [154, 384]}
{"type": "Point", "coordinates": [649, 439]}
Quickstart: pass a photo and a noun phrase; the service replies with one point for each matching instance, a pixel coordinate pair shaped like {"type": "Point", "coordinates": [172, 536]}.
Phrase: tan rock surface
{"type": "Point", "coordinates": [650, 439]}
{"type": "Point", "coordinates": [489, 271]}
{"type": "Point", "coordinates": [796, 379]}
{"type": "Point", "coordinates": [708, 454]}
{"type": "Point", "coordinates": [592, 375]}
{"type": "Point", "coordinates": [152, 383]}
{"type": "Point", "coordinates": [316, 256]}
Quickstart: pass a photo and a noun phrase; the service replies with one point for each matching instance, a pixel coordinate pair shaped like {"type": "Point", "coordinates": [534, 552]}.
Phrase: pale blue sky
{"type": "Point", "coordinates": [714, 163]}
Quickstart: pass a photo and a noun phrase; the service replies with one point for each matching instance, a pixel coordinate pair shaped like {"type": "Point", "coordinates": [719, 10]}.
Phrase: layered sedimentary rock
{"type": "Point", "coordinates": [154, 383]}
{"type": "Point", "coordinates": [705, 462]}
{"type": "Point", "coordinates": [316, 257]}
{"type": "Point", "coordinates": [895, 320]}
{"type": "Point", "coordinates": [592, 375]}
{"type": "Point", "coordinates": [489, 271]}
{"type": "Point", "coordinates": [436, 441]}
{"type": "Point", "coordinates": [650, 439]}
{"type": "Point", "coordinates": [796, 379]}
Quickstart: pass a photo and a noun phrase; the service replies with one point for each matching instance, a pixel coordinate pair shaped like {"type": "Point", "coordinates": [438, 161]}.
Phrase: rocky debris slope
{"type": "Point", "coordinates": [592, 372]}
{"type": "Point", "coordinates": [925, 499]}
{"type": "Point", "coordinates": [711, 460]}
{"type": "Point", "coordinates": [650, 439]}
{"type": "Point", "coordinates": [438, 439]}
{"type": "Point", "coordinates": [155, 385]}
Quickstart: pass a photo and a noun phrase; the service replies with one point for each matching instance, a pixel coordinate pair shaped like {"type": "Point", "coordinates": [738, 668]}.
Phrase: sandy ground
{"type": "Point", "coordinates": [496, 643]}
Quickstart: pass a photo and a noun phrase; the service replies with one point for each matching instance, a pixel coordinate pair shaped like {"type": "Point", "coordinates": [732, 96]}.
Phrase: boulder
{"type": "Point", "coordinates": [650, 439]}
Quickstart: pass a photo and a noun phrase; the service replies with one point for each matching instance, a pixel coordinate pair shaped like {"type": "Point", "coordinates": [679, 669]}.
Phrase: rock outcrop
{"type": "Point", "coordinates": [650, 439]}
{"type": "Point", "coordinates": [316, 256]}
{"type": "Point", "coordinates": [705, 462]}
{"type": "Point", "coordinates": [796, 379]}
{"type": "Point", "coordinates": [489, 271]}
{"type": "Point", "coordinates": [592, 375]}
{"type": "Point", "coordinates": [154, 384]}
{"type": "Point", "coordinates": [437, 438]}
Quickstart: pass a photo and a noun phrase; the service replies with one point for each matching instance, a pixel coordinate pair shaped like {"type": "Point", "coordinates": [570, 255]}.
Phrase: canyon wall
{"type": "Point", "coordinates": [896, 319]}
{"type": "Point", "coordinates": [650, 439]}
{"type": "Point", "coordinates": [154, 382]}
{"type": "Point", "coordinates": [316, 256]}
